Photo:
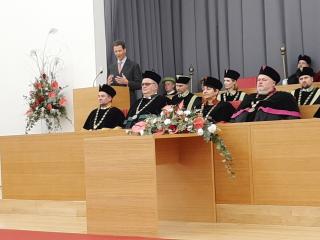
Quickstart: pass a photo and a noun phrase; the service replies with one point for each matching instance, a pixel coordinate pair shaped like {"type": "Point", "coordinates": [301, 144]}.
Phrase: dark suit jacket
{"type": "Point", "coordinates": [132, 72]}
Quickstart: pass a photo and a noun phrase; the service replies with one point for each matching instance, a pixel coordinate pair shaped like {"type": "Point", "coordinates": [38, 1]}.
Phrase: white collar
{"type": "Point", "coordinates": [172, 92]}
{"type": "Point", "coordinates": [150, 97]}
{"type": "Point", "coordinates": [184, 94]}
{"type": "Point", "coordinates": [123, 60]}
{"type": "Point", "coordinates": [309, 89]}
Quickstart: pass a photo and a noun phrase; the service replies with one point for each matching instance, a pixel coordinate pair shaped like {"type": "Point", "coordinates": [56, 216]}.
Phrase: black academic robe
{"type": "Point", "coordinates": [293, 79]}
{"type": "Point", "coordinates": [222, 112]}
{"type": "Point", "coordinates": [155, 107]}
{"type": "Point", "coordinates": [317, 114]}
{"type": "Point", "coordinates": [238, 96]}
{"type": "Point", "coordinates": [177, 99]}
{"type": "Point", "coordinates": [278, 106]}
{"type": "Point", "coordinates": [314, 98]}
{"type": "Point", "coordinates": [114, 118]}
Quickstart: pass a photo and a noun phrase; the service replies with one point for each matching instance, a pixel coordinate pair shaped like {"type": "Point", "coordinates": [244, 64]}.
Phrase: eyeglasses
{"type": "Point", "coordinates": [146, 84]}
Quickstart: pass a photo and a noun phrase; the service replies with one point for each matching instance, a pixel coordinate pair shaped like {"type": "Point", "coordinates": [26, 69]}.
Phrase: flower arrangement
{"type": "Point", "coordinates": [174, 120]}
{"type": "Point", "coordinates": [45, 99]}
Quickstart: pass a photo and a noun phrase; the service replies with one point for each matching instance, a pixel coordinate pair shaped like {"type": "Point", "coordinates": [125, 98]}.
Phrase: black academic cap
{"type": "Point", "coordinates": [107, 89]}
{"type": "Point", "coordinates": [305, 58]}
{"type": "Point", "coordinates": [183, 79]}
{"type": "Point", "coordinates": [212, 82]}
{"type": "Point", "coordinates": [152, 75]}
{"type": "Point", "coordinates": [305, 71]}
{"type": "Point", "coordinates": [228, 73]}
{"type": "Point", "coordinates": [270, 72]}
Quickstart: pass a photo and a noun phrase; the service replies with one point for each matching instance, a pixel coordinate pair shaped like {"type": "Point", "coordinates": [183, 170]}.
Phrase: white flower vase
{"type": "Point", "coordinates": [43, 126]}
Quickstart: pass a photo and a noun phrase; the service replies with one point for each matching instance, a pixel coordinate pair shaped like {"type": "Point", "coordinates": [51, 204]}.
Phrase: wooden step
{"type": "Point", "coordinates": [43, 207]}
{"type": "Point", "coordinates": [43, 215]}
{"type": "Point", "coordinates": [269, 214]}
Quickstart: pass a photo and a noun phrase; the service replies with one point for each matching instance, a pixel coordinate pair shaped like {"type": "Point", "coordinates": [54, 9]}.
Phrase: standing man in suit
{"type": "Point", "coordinates": [124, 72]}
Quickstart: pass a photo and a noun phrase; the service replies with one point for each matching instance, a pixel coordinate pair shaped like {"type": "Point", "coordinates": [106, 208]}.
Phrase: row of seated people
{"type": "Point", "coordinates": [267, 104]}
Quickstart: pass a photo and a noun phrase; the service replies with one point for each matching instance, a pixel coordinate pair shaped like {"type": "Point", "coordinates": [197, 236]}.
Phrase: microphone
{"type": "Point", "coordinates": [95, 79]}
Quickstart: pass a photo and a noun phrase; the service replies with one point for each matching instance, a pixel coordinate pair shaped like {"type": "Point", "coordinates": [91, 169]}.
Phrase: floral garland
{"type": "Point", "coordinates": [174, 120]}
{"type": "Point", "coordinates": [45, 99]}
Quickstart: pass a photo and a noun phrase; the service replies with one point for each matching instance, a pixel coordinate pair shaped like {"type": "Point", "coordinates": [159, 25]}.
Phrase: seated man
{"type": "Point", "coordinates": [307, 94]}
{"type": "Point", "coordinates": [267, 104]}
{"type": "Point", "coordinates": [150, 103]}
{"type": "Point", "coordinates": [170, 87]}
{"type": "Point", "coordinates": [303, 61]}
{"type": "Point", "coordinates": [212, 109]}
{"type": "Point", "coordinates": [190, 101]}
{"type": "Point", "coordinates": [230, 84]}
{"type": "Point", "coordinates": [105, 116]}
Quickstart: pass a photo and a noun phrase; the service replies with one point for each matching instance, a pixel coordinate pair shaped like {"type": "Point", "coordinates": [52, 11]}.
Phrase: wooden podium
{"type": "Point", "coordinates": [155, 178]}
{"type": "Point", "coordinates": [85, 100]}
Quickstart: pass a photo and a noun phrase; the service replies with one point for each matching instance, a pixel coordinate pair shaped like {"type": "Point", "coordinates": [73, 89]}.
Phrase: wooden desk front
{"type": "Point", "coordinates": [277, 163]}
{"type": "Point", "coordinates": [147, 179]}
{"type": "Point", "coordinates": [45, 166]}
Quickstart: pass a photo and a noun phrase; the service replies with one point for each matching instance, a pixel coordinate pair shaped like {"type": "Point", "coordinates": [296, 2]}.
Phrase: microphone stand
{"type": "Point", "coordinates": [94, 81]}
{"type": "Point", "coordinates": [284, 64]}
{"type": "Point", "coordinates": [191, 71]}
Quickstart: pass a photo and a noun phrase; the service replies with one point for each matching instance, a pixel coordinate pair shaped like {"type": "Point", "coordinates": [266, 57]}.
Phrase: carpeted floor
{"type": "Point", "coordinates": [34, 235]}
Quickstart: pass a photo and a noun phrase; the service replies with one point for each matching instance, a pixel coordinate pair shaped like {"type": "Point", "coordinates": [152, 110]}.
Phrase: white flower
{"type": "Point", "coordinates": [200, 132]}
{"type": "Point", "coordinates": [187, 112]}
{"type": "Point", "coordinates": [167, 121]}
{"type": "Point", "coordinates": [161, 114]}
{"type": "Point", "coordinates": [179, 112]}
{"type": "Point", "coordinates": [212, 128]}
{"type": "Point", "coordinates": [186, 119]}
{"type": "Point", "coordinates": [170, 109]}
{"type": "Point", "coordinates": [141, 132]}
{"type": "Point", "coordinates": [189, 128]}
{"type": "Point", "coordinates": [154, 121]}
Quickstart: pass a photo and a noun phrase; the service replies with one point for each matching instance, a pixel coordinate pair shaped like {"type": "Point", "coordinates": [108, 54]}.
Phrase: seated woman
{"type": "Point", "coordinates": [230, 84]}
{"type": "Point", "coordinates": [212, 109]}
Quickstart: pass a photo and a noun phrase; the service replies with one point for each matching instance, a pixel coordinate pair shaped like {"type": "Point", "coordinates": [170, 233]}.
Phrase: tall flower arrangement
{"type": "Point", "coordinates": [174, 120]}
{"type": "Point", "coordinates": [45, 99]}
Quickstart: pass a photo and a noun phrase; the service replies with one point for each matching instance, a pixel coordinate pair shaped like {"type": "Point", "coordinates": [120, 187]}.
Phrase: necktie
{"type": "Point", "coordinates": [119, 66]}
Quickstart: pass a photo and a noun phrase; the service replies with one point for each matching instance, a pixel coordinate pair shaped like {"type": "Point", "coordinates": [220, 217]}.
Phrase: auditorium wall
{"type": "Point", "coordinates": [24, 26]}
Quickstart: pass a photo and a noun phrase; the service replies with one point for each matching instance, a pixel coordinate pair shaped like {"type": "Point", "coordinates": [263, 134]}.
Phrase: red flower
{"type": "Point", "coordinates": [198, 122]}
{"type": "Point", "coordinates": [38, 85]}
{"type": "Point", "coordinates": [173, 129]}
{"type": "Point", "coordinates": [40, 100]}
{"type": "Point", "coordinates": [62, 101]}
{"type": "Point", "coordinates": [54, 85]}
{"type": "Point", "coordinates": [52, 94]}
{"type": "Point", "coordinates": [49, 107]}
